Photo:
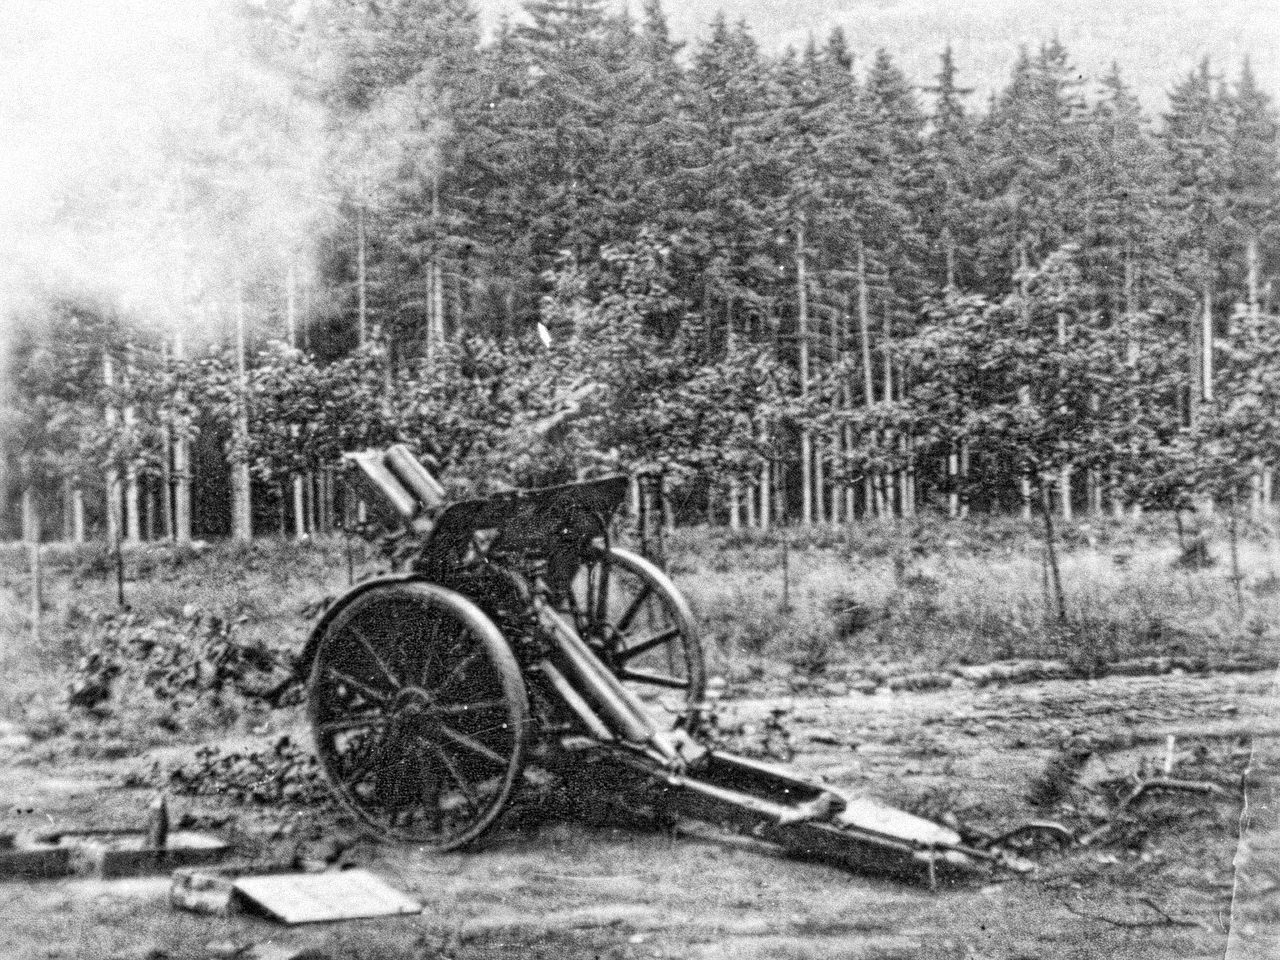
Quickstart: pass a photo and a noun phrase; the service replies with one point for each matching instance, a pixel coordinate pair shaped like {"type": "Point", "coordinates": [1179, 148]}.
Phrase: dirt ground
{"type": "Point", "coordinates": [548, 887]}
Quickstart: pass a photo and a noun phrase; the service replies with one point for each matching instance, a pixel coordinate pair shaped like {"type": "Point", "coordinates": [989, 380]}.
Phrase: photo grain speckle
{"type": "Point", "coordinates": [582, 479]}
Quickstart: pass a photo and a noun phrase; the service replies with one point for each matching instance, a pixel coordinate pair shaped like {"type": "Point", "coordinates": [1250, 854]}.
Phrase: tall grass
{"type": "Point", "coordinates": [955, 593]}
{"type": "Point", "coordinates": [925, 595]}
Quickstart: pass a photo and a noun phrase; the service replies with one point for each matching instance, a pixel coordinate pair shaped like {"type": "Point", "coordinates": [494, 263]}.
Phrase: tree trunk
{"type": "Point", "coordinates": [299, 509]}
{"type": "Point", "coordinates": [30, 522]}
{"type": "Point", "coordinates": [319, 487]}
{"type": "Point", "coordinates": [1251, 261]}
{"type": "Point", "coordinates": [31, 536]}
{"type": "Point", "coordinates": [904, 476]}
{"type": "Point", "coordinates": [871, 491]}
{"type": "Point", "coordinates": [1233, 530]}
{"type": "Point", "coordinates": [329, 504]}
{"type": "Point", "coordinates": [132, 492]}
{"type": "Point", "coordinates": [1064, 475]}
{"type": "Point", "coordinates": [766, 494]}
{"type": "Point", "coordinates": [1051, 553]}
{"type": "Point", "coordinates": [949, 251]}
{"type": "Point", "coordinates": [735, 504]}
{"type": "Point", "coordinates": [291, 331]}
{"type": "Point", "coordinates": [953, 481]}
{"type": "Point", "coordinates": [807, 488]}
{"type": "Point", "coordinates": [181, 468]}
{"type": "Point", "coordinates": [241, 504]}
{"type": "Point", "coordinates": [887, 480]}
{"type": "Point", "coordinates": [1206, 348]}
{"type": "Point", "coordinates": [1262, 497]}
{"type": "Point", "coordinates": [437, 332]}
{"type": "Point", "coordinates": [166, 474]}
{"type": "Point", "coordinates": [77, 512]}
{"type": "Point", "coordinates": [362, 295]}
{"type": "Point", "coordinates": [113, 474]}
{"type": "Point", "coordinates": [66, 509]}
{"type": "Point", "coordinates": [151, 498]}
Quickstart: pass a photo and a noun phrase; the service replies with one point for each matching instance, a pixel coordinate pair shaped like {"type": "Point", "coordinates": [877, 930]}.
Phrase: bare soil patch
{"type": "Point", "coordinates": [548, 886]}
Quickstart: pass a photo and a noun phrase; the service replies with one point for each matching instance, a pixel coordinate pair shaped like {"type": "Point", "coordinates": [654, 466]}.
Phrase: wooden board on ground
{"type": "Point", "coordinates": [316, 897]}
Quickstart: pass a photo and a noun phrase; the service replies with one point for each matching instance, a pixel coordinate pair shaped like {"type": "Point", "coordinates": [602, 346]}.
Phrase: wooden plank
{"type": "Point", "coordinates": [316, 897]}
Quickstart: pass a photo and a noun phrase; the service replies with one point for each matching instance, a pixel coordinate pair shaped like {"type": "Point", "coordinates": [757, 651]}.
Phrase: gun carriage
{"type": "Point", "coordinates": [516, 629]}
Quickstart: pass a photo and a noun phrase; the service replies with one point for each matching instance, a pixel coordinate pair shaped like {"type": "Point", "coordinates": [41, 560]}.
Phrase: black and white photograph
{"type": "Point", "coordinates": [628, 479]}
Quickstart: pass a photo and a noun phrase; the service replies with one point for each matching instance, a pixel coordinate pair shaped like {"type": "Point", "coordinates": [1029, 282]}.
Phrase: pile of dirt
{"type": "Point", "coordinates": [284, 775]}
{"type": "Point", "coordinates": [193, 662]}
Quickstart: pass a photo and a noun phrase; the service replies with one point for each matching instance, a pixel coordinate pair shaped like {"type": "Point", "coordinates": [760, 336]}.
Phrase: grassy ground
{"type": "Point", "coordinates": [796, 603]}
{"type": "Point", "coordinates": [942, 594]}
{"type": "Point", "coordinates": [546, 887]}
{"type": "Point", "coordinates": [904, 598]}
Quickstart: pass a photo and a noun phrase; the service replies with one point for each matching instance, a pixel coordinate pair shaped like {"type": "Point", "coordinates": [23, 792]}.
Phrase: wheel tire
{"type": "Point", "coordinates": [418, 708]}
{"type": "Point", "coordinates": [611, 627]}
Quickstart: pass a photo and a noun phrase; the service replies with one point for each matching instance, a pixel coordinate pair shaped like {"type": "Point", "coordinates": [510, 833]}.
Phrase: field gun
{"type": "Point", "coordinates": [516, 631]}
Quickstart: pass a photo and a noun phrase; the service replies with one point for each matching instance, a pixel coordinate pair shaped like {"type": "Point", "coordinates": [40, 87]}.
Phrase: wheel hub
{"type": "Point", "coordinates": [412, 713]}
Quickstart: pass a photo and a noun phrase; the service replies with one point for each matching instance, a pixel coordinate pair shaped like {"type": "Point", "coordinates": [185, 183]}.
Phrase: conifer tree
{"type": "Point", "coordinates": [1195, 137]}
{"type": "Point", "coordinates": [1252, 182]}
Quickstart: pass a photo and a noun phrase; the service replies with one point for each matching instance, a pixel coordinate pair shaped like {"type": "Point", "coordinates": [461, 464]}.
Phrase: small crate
{"type": "Point", "coordinates": [211, 889]}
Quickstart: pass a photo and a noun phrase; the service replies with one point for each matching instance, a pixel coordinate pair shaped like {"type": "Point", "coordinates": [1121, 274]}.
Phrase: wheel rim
{"type": "Point", "coordinates": [641, 627]}
{"type": "Point", "coordinates": [419, 714]}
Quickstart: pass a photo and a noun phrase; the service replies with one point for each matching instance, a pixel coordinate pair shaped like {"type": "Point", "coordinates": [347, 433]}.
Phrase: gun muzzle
{"type": "Point", "coordinates": [415, 477]}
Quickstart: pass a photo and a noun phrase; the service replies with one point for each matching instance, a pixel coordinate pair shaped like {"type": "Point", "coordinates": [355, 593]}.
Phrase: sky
{"type": "Point", "coordinates": [1156, 41]}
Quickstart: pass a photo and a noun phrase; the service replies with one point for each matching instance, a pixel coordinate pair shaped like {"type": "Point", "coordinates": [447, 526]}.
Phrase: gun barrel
{"type": "Point", "coordinates": [415, 477]}
{"type": "Point", "coordinates": [376, 474]}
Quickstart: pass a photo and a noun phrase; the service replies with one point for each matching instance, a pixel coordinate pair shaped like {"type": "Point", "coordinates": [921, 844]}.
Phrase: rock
{"type": "Point", "coordinates": [823, 735]}
{"type": "Point", "coordinates": [835, 689]}
{"type": "Point", "coordinates": [747, 927]}
{"type": "Point", "coordinates": [1013, 671]}
{"type": "Point", "coordinates": [921, 681]}
{"type": "Point", "coordinates": [1140, 667]}
{"type": "Point", "coordinates": [226, 948]}
{"type": "Point", "coordinates": [276, 951]}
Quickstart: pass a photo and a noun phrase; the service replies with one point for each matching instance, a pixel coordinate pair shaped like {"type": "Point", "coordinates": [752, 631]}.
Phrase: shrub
{"type": "Point", "coordinates": [194, 666]}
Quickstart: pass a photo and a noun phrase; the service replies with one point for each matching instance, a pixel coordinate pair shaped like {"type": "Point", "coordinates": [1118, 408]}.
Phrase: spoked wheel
{"type": "Point", "coordinates": [419, 714]}
{"type": "Point", "coordinates": [640, 625]}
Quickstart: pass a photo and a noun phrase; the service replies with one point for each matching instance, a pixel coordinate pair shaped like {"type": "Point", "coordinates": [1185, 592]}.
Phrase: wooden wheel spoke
{"type": "Point", "coordinates": [629, 653]}
{"type": "Point", "coordinates": [431, 643]}
{"type": "Point", "coordinates": [456, 672]}
{"type": "Point", "coordinates": [473, 799]}
{"type": "Point", "coordinates": [364, 722]}
{"type": "Point", "coordinates": [377, 657]}
{"type": "Point", "coordinates": [471, 743]}
{"type": "Point", "coordinates": [463, 709]}
{"type": "Point", "coordinates": [420, 733]}
{"type": "Point", "coordinates": [363, 765]}
{"type": "Point", "coordinates": [630, 613]}
{"type": "Point", "coordinates": [654, 679]}
{"type": "Point", "coordinates": [380, 697]}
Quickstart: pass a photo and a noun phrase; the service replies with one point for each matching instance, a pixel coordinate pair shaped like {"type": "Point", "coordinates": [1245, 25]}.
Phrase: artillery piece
{"type": "Point", "coordinates": [517, 629]}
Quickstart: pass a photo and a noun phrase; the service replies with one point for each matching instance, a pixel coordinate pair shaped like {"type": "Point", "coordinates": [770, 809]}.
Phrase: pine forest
{"type": "Point", "coordinates": [800, 288]}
